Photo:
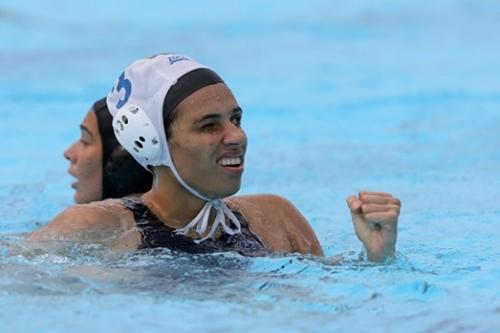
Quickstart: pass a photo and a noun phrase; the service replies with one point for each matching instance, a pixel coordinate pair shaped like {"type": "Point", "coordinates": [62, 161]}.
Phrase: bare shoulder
{"type": "Point", "coordinates": [261, 200]}
{"type": "Point", "coordinates": [278, 223]}
{"type": "Point", "coordinates": [108, 213]}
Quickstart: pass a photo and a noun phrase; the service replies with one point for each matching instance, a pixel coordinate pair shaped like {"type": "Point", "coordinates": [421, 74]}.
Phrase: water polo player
{"type": "Point", "coordinates": [181, 121]}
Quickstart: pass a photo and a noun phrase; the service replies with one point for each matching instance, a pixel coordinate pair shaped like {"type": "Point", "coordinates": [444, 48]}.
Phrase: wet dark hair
{"type": "Point", "coordinates": [185, 86]}
{"type": "Point", "coordinates": [121, 173]}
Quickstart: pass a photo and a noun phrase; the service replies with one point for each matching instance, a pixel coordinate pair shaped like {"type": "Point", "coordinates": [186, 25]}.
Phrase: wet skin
{"type": "Point", "coordinates": [207, 143]}
{"type": "Point", "coordinates": [85, 157]}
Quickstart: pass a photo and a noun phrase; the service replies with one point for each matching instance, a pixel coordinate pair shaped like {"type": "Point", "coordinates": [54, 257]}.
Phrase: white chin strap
{"type": "Point", "coordinates": [200, 222]}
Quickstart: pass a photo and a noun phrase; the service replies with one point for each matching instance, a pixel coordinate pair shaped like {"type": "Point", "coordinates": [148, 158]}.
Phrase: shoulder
{"type": "Point", "coordinates": [261, 200]}
{"type": "Point", "coordinates": [278, 223]}
{"type": "Point", "coordinates": [110, 213]}
{"type": "Point", "coordinates": [271, 206]}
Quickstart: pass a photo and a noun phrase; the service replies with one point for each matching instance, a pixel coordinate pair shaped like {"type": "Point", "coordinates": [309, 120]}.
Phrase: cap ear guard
{"type": "Point", "coordinates": [137, 134]}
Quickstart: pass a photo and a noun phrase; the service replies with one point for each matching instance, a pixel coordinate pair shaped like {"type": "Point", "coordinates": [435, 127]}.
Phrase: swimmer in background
{"type": "Point", "coordinates": [102, 168]}
{"type": "Point", "coordinates": [180, 120]}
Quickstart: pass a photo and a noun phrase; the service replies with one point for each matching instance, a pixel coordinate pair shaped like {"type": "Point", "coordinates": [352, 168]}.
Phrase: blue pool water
{"type": "Point", "coordinates": [401, 97]}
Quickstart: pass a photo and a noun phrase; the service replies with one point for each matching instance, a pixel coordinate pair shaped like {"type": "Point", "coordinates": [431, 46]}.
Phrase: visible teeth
{"type": "Point", "coordinates": [230, 161]}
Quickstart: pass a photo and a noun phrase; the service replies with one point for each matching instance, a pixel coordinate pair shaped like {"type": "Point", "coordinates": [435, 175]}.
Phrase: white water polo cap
{"type": "Point", "coordinates": [136, 103]}
{"type": "Point", "coordinates": [140, 101]}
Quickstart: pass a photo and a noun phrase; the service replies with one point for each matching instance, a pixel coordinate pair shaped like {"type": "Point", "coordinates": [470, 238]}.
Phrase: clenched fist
{"type": "Point", "coordinates": [375, 219]}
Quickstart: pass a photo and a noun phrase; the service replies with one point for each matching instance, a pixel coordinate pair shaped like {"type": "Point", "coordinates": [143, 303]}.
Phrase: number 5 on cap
{"type": "Point", "coordinates": [123, 83]}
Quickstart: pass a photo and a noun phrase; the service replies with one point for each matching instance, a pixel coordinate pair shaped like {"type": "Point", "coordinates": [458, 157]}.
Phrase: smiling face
{"type": "Point", "coordinates": [207, 143]}
{"type": "Point", "coordinates": [85, 156]}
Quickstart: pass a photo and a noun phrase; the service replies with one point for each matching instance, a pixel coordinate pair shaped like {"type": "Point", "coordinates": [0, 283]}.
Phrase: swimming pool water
{"type": "Point", "coordinates": [338, 97]}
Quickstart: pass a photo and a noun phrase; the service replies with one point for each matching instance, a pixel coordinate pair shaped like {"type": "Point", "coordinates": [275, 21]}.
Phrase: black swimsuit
{"type": "Point", "coordinates": [156, 234]}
